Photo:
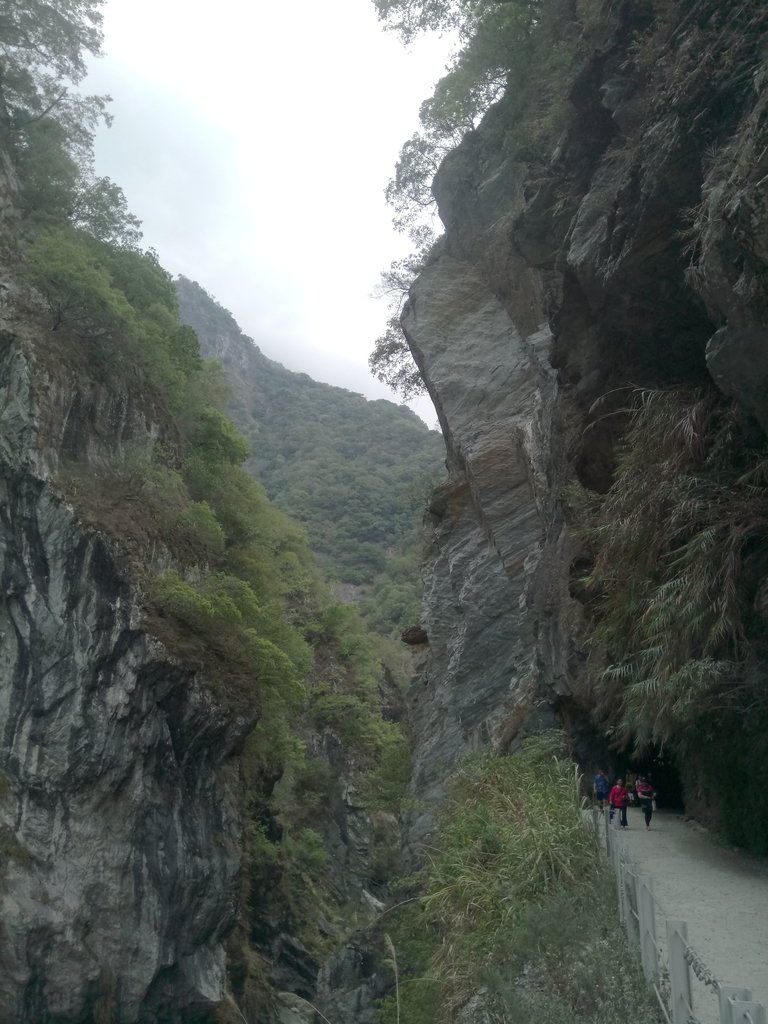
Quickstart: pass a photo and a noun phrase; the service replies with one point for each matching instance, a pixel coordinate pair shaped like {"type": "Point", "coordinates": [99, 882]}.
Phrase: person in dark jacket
{"type": "Point", "coordinates": [646, 795]}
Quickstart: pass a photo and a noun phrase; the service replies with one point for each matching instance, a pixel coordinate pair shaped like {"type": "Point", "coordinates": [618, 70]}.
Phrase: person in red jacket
{"type": "Point", "coordinates": [646, 795]}
{"type": "Point", "coordinates": [618, 798]}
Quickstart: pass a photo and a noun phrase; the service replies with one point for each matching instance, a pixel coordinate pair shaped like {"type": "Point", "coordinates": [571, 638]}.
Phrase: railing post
{"type": "Point", "coordinates": [746, 1012]}
{"type": "Point", "coordinates": [631, 915]}
{"type": "Point", "coordinates": [608, 836]}
{"type": "Point", "coordinates": [679, 971]}
{"type": "Point", "coordinates": [618, 864]}
{"type": "Point", "coordinates": [726, 993]}
{"type": "Point", "coordinates": [646, 910]}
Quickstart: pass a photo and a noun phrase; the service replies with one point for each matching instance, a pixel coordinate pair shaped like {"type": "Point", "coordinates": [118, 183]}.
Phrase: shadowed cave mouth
{"type": "Point", "coordinates": [660, 768]}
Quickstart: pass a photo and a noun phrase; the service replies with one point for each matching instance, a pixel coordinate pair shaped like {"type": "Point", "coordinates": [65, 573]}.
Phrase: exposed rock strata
{"type": "Point", "coordinates": [637, 257]}
{"type": "Point", "coordinates": [118, 821]}
{"type": "Point", "coordinates": [493, 529]}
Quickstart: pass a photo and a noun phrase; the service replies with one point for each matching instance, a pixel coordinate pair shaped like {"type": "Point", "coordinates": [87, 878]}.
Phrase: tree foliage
{"type": "Point", "coordinates": [70, 274]}
{"type": "Point", "coordinates": [678, 542]}
{"type": "Point", "coordinates": [511, 46]}
{"type": "Point", "coordinates": [43, 48]}
{"type": "Point", "coordinates": [409, 192]}
{"type": "Point", "coordinates": [42, 37]}
{"type": "Point", "coordinates": [391, 360]}
{"type": "Point", "coordinates": [409, 18]}
{"type": "Point", "coordinates": [494, 39]}
{"type": "Point", "coordinates": [57, 189]}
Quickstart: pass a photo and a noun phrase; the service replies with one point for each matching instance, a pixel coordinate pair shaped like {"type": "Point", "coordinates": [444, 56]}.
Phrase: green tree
{"type": "Point", "coordinates": [409, 192]}
{"type": "Point", "coordinates": [43, 48]}
{"type": "Point", "coordinates": [57, 190]}
{"type": "Point", "coordinates": [99, 207]}
{"type": "Point", "coordinates": [69, 272]}
{"type": "Point", "coordinates": [217, 440]}
{"type": "Point", "coordinates": [520, 49]}
{"type": "Point", "coordinates": [410, 18]}
{"type": "Point", "coordinates": [495, 42]}
{"type": "Point", "coordinates": [391, 360]}
{"type": "Point", "coordinates": [47, 172]}
{"type": "Point", "coordinates": [328, 458]}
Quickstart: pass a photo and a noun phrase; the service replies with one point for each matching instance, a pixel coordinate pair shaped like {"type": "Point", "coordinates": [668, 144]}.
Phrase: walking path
{"type": "Point", "coordinates": [720, 892]}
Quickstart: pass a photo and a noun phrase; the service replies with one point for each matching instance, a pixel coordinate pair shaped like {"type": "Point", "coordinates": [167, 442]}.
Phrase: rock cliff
{"type": "Point", "coordinates": [118, 817]}
{"type": "Point", "coordinates": [143, 872]}
{"type": "Point", "coordinates": [635, 254]}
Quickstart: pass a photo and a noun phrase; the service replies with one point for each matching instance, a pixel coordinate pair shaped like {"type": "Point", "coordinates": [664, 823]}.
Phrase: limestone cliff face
{"type": "Point", "coordinates": [118, 823]}
{"type": "Point", "coordinates": [491, 599]}
{"type": "Point", "coordinates": [637, 255]}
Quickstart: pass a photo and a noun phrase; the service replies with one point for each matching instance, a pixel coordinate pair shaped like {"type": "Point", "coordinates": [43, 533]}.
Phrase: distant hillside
{"type": "Point", "coordinates": [355, 472]}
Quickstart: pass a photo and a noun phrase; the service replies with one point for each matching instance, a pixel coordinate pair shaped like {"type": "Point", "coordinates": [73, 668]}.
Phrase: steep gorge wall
{"type": "Point", "coordinates": [635, 255]}
{"type": "Point", "coordinates": [118, 885]}
{"type": "Point", "coordinates": [131, 886]}
{"type": "Point", "coordinates": [493, 597]}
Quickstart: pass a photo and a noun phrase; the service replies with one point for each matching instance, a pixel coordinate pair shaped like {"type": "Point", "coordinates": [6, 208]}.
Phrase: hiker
{"type": "Point", "coordinates": [646, 796]}
{"type": "Point", "coordinates": [600, 788]}
{"type": "Point", "coordinates": [619, 799]}
{"type": "Point", "coordinates": [629, 783]}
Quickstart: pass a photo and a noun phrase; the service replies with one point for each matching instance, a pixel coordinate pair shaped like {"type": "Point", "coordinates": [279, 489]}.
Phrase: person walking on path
{"type": "Point", "coordinates": [629, 782]}
{"type": "Point", "coordinates": [646, 795]}
{"type": "Point", "coordinates": [619, 800]}
{"type": "Point", "coordinates": [600, 788]}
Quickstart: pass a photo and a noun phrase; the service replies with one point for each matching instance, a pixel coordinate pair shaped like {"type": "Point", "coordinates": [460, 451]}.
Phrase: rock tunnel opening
{"type": "Point", "coordinates": [660, 768]}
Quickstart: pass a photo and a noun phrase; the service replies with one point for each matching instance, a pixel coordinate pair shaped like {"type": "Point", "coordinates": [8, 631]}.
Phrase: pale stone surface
{"type": "Point", "coordinates": [294, 1010]}
{"type": "Point", "coordinates": [729, 928]}
{"type": "Point", "coordinates": [493, 525]}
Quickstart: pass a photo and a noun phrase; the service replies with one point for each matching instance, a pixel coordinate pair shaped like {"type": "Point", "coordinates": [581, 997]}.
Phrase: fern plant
{"type": "Point", "coordinates": [676, 542]}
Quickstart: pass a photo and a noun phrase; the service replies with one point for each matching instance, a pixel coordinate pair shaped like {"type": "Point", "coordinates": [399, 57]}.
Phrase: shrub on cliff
{"type": "Point", "coordinates": [70, 274]}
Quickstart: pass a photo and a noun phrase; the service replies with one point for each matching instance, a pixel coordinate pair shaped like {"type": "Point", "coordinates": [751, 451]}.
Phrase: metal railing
{"type": "Point", "coordinates": [670, 963]}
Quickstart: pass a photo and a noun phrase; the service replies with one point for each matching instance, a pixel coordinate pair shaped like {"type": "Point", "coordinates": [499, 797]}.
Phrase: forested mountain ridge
{"type": "Point", "coordinates": [355, 472]}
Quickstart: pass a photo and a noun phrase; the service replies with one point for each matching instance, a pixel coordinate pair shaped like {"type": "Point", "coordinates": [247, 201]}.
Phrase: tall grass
{"type": "Point", "coordinates": [517, 905]}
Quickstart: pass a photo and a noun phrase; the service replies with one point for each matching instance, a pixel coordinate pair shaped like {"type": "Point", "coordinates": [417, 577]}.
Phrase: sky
{"type": "Point", "coordinates": [254, 140]}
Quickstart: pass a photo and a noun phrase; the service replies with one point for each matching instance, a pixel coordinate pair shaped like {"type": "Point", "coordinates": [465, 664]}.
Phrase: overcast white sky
{"type": "Point", "coordinates": [254, 140]}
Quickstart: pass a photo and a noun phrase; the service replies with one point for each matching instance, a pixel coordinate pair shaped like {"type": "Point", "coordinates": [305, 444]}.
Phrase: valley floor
{"type": "Point", "coordinates": [720, 892]}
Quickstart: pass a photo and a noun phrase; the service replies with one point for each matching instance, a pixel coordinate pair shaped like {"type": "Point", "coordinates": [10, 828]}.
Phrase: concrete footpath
{"type": "Point", "coordinates": [720, 892]}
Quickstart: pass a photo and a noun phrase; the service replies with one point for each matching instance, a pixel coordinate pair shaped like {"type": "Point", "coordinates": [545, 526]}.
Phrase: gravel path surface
{"type": "Point", "coordinates": [720, 892]}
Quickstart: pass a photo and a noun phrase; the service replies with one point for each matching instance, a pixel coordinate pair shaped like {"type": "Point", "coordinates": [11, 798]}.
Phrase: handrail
{"type": "Point", "coordinates": [670, 976]}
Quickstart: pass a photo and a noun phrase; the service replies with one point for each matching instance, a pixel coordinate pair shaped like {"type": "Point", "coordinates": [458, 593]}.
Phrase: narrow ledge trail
{"type": "Point", "coordinates": [721, 892]}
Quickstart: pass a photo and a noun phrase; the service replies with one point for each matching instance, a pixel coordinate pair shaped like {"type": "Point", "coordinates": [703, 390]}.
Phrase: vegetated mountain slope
{"type": "Point", "coordinates": [355, 472]}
